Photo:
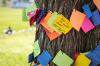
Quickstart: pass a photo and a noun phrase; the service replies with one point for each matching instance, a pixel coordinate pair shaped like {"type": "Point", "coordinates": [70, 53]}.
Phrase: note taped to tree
{"type": "Point", "coordinates": [77, 19]}
{"type": "Point", "coordinates": [36, 49]}
{"type": "Point", "coordinates": [44, 22]}
{"type": "Point", "coordinates": [51, 20]}
{"type": "Point", "coordinates": [97, 3]}
{"type": "Point", "coordinates": [62, 24]}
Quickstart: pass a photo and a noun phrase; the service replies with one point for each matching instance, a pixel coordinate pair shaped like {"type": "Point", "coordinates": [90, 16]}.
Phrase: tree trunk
{"type": "Point", "coordinates": [73, 41]}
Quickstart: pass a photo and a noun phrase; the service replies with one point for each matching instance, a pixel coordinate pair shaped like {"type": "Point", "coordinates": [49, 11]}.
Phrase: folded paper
{"type": "Point", "coordinates": [92, 58]}
{"type": "Point", "coordinates": [87, 10]}
{"type": "Point", "coordinates": [33, 16]}
{"type": "Point", "coordinates": [82, 60]}
{"type": "Point", "coordinates": [96, 17]}
{"type": "Point", "coordinates": [62, 24]}
{"type": "Point", "coordinates": [51, 20]}
{"type": "Point", "coordinates": [30, 58]}
{"type": "Point", "coordinates": [44, 58]}
{"type": "Point", "coordinates": [97, 3]}
{"type": "Point", "coordinates": [61, 59]}
{"type": "Point", "coordinates": [44, 22]}
{"type": "Point", "coordinates": [87, 25]}
{"type": "Point", "coordinates": [36, 49]}
{"type": "Point", "coordinates": [77, 19]}
{"type": "Point", "coordinates": [42, 14]}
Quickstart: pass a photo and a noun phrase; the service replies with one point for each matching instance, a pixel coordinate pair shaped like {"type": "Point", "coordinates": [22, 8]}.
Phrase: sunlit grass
{"type": "Point", "coordinates": [14, 49]}
{"type": "Point", "coordinates": [11, 17]}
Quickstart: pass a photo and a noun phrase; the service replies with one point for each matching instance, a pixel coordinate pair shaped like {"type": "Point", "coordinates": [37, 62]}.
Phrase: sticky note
{"type": "Point", "coordinates": [44, 58]}
{"type": "Point", "coordinates": [96, 18]}
{"type": "Point", "coordinates": [87, 25]}
{"type": "Point", "coordinates": [61, 59]}
{"type": "Point", "coordinates": [42, 14]}
{"type": "Point", "coordinates": [30, 57]}
{"type": "Point", "coordinates": [36, 48]}
{"type": "Point", "coordinates": [77, 19]}
{"type": "Point", "coordinates": [82, 60]}
{"type": "Point", "coordinates": [87, 10]}
{"type": "Point", "coordinates": [44, 22]}
{"type": "Point", "coordinates": [51, 20]}
{"type": "Point", "coordinates": [62, 24]}
{"type": "Point", "coordinates": [52, 35]}
{"type": "Point", "coordinates": [33, 16]}
{"type": "Point", "coordinates": [97, 3]}
{"type": "Point", "coordinates": [95, 56]}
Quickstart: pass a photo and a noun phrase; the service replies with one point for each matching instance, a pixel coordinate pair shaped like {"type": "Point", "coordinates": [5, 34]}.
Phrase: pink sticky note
{"type": "Point", "coordinates": [77, 19]}
{"type": "Point", "coordinates": [97, 3]}
{"type": "Point", "coordinates": [87, 25]}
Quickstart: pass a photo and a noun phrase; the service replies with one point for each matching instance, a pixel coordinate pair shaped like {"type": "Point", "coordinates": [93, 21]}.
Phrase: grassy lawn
{"type": "Point", "coordinates": [14, 49]}
{"type": "Point", "coordinates": [11, 17]}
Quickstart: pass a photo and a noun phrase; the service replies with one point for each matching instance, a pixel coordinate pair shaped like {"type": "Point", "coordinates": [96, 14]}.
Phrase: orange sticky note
{"type": "Point", "coordinates": [52, 35]}
{"type": "Point", "coordinates": [77, 19]}
{"type": "Point", "coordinates": [97, 3]}
{"type": "Point", "coordinates": [44, 22]}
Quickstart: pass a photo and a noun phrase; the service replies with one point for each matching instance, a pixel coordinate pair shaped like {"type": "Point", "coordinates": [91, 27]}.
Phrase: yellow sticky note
{"type": "Point", "coordinates": [62, 24]}
{"type": "Point", "coordinates": [77, 19]}
{"type": "Point", "coordinates": [82, 60]}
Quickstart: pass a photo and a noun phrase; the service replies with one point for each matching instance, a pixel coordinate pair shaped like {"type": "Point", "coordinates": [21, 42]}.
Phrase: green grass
{"type": "Point", "coordinates": [11, 17]}
{"type": "Point", "coordinates": [14, 49]}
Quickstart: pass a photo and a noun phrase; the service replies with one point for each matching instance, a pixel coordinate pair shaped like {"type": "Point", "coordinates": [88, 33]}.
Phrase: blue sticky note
{"type": "Point", "coordinates": [94, 56]}
{"type": "Point", "coordinates": [31, 57]}
{"type": "Point", "coordinates": [87, 10]}
{"type": "Point", "coordinates": [93, 64]}
{"type": "Point", "coordinates": [96, 18]}
{"type": "Point", "coordinates": [41, 15]}
{"type": "Point", "coordinates": [98, 47]}
{"type": "Point", "coordinates": [44, 58]}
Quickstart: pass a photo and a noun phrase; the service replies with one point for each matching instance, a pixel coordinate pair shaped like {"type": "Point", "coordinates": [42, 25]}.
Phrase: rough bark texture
{"type": "Point", "coordinates": [73, 41]}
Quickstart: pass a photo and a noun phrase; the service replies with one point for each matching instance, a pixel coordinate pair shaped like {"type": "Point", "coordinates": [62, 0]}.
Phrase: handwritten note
{"type": "Point", "coordinates": [62, 24]}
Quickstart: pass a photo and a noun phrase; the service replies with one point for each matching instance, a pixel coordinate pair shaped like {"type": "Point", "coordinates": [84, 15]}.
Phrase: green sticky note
{"type": "Point", "coordinates": [51, 20]}
{"type": "Point", "coordinates": [36, 49]}
{"type": "Point", "coordinates": [61, 59]}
